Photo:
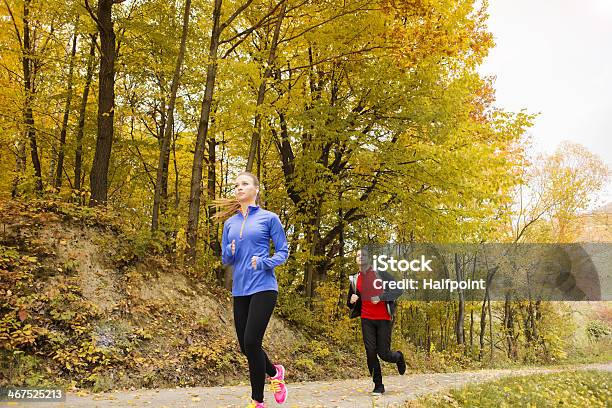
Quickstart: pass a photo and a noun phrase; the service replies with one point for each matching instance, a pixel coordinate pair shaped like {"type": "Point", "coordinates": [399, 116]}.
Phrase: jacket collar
{"type": "Point", "coordinates": [250, 209]}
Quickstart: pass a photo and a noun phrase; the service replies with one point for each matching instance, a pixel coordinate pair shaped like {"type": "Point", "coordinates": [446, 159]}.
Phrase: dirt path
{"type": "Point", "coordinates": [341, 393]}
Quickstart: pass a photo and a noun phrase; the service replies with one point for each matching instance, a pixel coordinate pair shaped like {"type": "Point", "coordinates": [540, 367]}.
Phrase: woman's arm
{"type": "Point", "coordinates": [281, 248]}
{"type": "Point", "coordinates": [227, 258]}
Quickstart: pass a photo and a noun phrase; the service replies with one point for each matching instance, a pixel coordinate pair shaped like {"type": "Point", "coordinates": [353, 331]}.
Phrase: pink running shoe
{"type": "Point", "coordinates": [277, 385]}
{"type": "Point", "coordinates": [255, 404]}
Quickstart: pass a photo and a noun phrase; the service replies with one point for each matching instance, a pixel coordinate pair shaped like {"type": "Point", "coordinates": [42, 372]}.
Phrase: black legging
{"type": "Point", "coordinates": [377, 341]}
{"type": "Point", "coordinates": [251, 316]}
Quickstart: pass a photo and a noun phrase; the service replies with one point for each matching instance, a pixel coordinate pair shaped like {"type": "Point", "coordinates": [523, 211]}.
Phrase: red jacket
{"type": "Point", "coordinates": [370, 310]}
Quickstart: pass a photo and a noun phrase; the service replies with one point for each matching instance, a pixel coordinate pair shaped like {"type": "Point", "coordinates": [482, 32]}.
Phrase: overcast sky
{"type": "Point", "coordinates": [555, 57]}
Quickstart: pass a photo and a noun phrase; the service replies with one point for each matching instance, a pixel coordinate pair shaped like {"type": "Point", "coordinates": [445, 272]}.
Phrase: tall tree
{"type": "Point", "coordinates": [198, 155]}
{"type": "Point", "coordinates": [62, 142]}
{"type": "Point", "coordinates": [98, 179]}
{"type": "Point", "coordinates": [78, 154]}
{"type": "Point", "coordinates": [27, 62]}
{"type": "Point", "coordinates": [269, 70]}
{"type": "Point", "coordinates": [459, 321]}
{"type": "Point", "coordinates": [28, 52]}
{"type": "Point", "coordinates": [164, 152]}
{"type": "Point", "coordinates": [195, 191]}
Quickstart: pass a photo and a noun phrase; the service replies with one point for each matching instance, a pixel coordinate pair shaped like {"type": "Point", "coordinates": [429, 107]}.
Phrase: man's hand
{"type": "Point", "coordinates": [354, 298]}
{"type": "Point", "coordinates": [254, 262]}
{"type": "Point", "coordinates": [233, 247]}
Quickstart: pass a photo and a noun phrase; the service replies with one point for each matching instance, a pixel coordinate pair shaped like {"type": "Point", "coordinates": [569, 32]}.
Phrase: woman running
{"type": "Point", "coordinates": [246, 247]}
{"type": "Point", "coordinates": [376, 309]}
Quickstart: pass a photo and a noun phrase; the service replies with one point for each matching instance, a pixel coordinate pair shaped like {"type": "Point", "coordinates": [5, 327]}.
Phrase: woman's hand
{"type": "Point", "coordinates": [254, 262]}
{"type": "Point", "coordinates": [233, 247]}
{"type": "Point", "coordinates": [354, 298]}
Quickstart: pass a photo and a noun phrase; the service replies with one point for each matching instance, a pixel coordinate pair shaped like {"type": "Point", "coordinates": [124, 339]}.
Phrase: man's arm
{"type": "Point", "coordinates": [389, 294]}
{"type": "Point", "coordinates": [348, 298]}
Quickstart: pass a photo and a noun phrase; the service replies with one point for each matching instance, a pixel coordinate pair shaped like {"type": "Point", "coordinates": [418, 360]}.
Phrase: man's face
{"type": "Point", "coordinates": [358, 257]}
{"type": "Point", "coordinates": [361, 259]}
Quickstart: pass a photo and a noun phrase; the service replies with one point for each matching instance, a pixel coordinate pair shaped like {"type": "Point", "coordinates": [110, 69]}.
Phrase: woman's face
{"type": "Point", "coordinates": [245, 189]}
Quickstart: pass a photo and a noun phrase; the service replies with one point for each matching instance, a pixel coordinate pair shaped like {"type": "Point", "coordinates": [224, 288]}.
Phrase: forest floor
{"type": "Point", "coordinates": [338, 393]}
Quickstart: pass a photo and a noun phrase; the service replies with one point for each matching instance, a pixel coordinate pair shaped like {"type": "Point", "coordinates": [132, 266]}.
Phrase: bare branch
{"type": "Point", "coordinates": [361, 8]}
{"type": "Point", "coordinates": [331, 58]}
{"type": "Point", "coordinates": [92, 15]}
{"type": "Point", "coordinates": [245, 34]}
{"type": "Point", "coordinates": [240, 9]}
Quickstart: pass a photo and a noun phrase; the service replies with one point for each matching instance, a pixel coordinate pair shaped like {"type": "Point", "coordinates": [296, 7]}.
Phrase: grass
{"type": "Point", "coordinates": [566, 389]}
{"type": "Point", "coordinates": [592, 352]}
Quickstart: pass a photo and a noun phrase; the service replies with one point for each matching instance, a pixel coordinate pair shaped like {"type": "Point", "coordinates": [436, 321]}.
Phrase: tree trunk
{"type": "Point", "coordinates": [442, 324]}
{"type": "Point", "coordinates": [224, 175]}
{"type": "Point", "coordinates": [471, 327]}
{"type": "Point", "coordinates": [20, 166]}
{"type": "Point", "coordinates": [164, 181]}
{"type": "Point", "coordinates": [309, 269]}
{"type": "Point", "coordinates": [490, 329]}
{"type": "Point", "coordinates": [62, 143]}
{"type": "Point", "coordinates": [461, 307]}
{"type": "Point", "coordinates": [213, 230]}
{"type": "Point", "coordinates": [78, 155]}
{"type": "Point", "coordinates": [537, 317]}
{"type": "Point", "coordinates": [164, 152]}
{"type": "Point", "coordinates": [428, 331]}
{"type": "Point", "coordinates": [472, 309]}
{"type": "Point", "coordinates": [311, 210]}
{"type": "Point", "coordinates": [509, 326]}
{"type": "Point", "coordinates": [28, 115]}
{"type": "Point", "coordinates": [52, 159]}
{"type": "Point", "coordinates": [176, 174]}
{"type": "Point", "coordinates": [483, 312]}
{"type": "Point", "coordinates": [342, 278]}
{"type": "Point", "coordinates": [483, 324]}
{"type": "Point", "coordinates": [98, 178]}
{"type": "Point", "coordinates": [198, 156]}
{"type": "Point", "coordinates": [528, 323]}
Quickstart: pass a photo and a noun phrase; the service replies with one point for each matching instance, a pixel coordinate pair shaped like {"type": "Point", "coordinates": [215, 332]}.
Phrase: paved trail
{"type": "Point", "coordinates": [340, 393]}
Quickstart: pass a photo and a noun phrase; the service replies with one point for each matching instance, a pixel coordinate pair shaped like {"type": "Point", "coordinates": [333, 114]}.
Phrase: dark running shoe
{"type": "Point", "coordinates": [401, 365]}
{"type": "Point", "coordinates": [378, 390]}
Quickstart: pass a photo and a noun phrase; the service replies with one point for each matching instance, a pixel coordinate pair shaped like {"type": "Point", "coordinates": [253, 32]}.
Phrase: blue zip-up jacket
{"type": "Point", "coordinates": [252, 234]}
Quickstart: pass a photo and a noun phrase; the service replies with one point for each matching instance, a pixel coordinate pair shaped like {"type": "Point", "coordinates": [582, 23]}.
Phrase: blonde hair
{"type": "Point", "coordinates": [226, 207]}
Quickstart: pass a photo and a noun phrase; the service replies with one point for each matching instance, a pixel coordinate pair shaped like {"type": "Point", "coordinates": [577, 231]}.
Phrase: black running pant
{"type": "Point", "coordinates": [377, 341]}
{"type": "Point", "coordinates": [251, 316]}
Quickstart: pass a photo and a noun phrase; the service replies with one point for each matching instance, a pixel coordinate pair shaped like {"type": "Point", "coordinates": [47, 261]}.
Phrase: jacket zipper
{"type": "Point", "coordinates": [243, 222]}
